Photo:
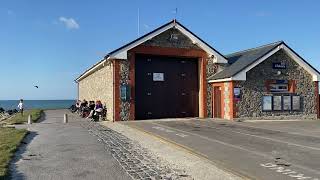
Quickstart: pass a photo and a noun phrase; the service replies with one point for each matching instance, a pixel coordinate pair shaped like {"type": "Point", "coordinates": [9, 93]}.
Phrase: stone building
{"type": "Point", "coordinates": [172, 73]}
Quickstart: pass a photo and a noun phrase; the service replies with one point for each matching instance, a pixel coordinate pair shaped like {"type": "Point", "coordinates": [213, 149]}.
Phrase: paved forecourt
{"type": "Point", "coordinates": [244, 148]}
{"type": "Point", "coordinates": [54, 150]}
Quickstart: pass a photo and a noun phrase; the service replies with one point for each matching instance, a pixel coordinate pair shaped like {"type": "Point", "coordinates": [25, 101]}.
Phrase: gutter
{"type": "Point", "coordinates": [93, 68]}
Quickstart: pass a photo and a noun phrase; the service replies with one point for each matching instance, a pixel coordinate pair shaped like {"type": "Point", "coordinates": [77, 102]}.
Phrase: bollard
{"type": "Point", "coordinates": [65, 118]}
{"type": "Point", "coordinates": [29, 119]}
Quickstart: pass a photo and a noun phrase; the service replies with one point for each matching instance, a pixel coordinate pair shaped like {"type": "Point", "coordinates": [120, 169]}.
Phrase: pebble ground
{"type": "Point", "coordinates": [137, 161]}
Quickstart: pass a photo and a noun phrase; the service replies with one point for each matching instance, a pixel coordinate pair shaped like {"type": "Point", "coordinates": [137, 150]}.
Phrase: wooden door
{"type": "Point", "coordinates": [217, 102]}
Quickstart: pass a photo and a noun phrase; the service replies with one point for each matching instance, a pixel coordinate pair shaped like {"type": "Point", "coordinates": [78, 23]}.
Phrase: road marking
{"type": "Point", "coordinates": [261, 137]}
{"type": "Point", "coordinates": [234, 146]}
{"type": "Point", "coordinates": [216, 163]}
{"type": "Point", "coordinates": [216, 141]}
{"type": "Point", "coordinates": [288, 172]}
{"type": "Point", "coordinates": [169, 131]}
{"type": "Point", "coordinates": [292, 129]}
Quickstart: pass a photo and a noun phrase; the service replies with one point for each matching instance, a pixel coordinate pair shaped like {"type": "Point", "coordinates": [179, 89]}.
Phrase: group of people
{"type": "Point", "coordinates": [91, 109]}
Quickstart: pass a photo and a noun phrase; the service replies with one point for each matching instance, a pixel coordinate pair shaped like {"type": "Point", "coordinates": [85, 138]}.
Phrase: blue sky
{"type": "Point", "coordinates": [49, 43]}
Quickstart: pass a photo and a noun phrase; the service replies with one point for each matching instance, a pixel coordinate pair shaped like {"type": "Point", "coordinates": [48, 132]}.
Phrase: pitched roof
{"type": "Point", "coordinates": [240, 60]}
{"type": "Point", "coordinates": [157, 31]}
{"type": "Point", "coordinates": [121, 53]}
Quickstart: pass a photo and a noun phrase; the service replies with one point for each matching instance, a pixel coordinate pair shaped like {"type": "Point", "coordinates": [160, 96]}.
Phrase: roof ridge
{"type": "Point", "coordinates": [250, 49]}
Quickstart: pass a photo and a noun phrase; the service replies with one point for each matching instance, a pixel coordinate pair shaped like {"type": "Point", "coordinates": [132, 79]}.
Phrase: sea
{"type": "Point", "coordinates": [37, 104]}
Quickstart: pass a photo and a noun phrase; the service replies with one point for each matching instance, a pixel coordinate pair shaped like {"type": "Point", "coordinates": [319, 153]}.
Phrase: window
{"type": "Point", "coordinates": [279, 87]}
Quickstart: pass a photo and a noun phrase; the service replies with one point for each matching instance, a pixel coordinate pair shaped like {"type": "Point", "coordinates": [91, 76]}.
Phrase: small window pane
{"type": "Point", "coordinates": [279, 87]}
{"type": "Point", "coordinates": [267, 103]}
{"type": "Point", "coordinates": [287, 103]}
{"type": "Point", "coordinates": [277, 103]}
{"type": "Point", "coordinates": [295, 102]}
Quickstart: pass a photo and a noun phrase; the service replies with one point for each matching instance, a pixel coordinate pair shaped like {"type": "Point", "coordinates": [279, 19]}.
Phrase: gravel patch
{"type": "Point", "coordinates": [137, 161]}
{"type": "Point", "coordinates": [176, 158]}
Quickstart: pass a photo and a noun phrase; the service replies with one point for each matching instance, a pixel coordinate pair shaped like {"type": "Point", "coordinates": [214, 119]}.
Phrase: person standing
{"type": "Point", "coordinates": [20, 106]}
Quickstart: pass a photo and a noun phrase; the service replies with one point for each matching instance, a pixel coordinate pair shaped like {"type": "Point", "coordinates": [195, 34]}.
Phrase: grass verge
{"type": "Point", "coordinates": [10, 139]}
{"type": "Point", "coordinates": [19, 119]}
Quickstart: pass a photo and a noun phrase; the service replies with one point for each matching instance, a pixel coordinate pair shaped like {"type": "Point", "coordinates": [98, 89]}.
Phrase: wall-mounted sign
{"type": "Point", "coordinates": [296, 103]}
{"type": "Point", "coordinates": [267, 103]}
{"type": "Point", "coordinates": [237, 93]}
{"type": "Point", "coordinates": [125, 92]}
{"type": "Point", "coordinates": [277, 105]}
{"type": "Point", "coordinates": [286, 103]}
{"type": "Point", "coordinates": [279, 66]}
{"type": "Point", "coordinates": [158, 76]}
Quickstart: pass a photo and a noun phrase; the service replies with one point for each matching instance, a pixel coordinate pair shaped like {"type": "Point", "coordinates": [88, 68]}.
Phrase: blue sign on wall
{"type": "Point", "coordinates": [125, 92]}
{"type": "Point", "coordinates": [279, 66]}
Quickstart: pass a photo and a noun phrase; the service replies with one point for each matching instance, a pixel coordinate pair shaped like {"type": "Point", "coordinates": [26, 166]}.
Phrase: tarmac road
{"type": "Point", "coordinates": [244, 149]}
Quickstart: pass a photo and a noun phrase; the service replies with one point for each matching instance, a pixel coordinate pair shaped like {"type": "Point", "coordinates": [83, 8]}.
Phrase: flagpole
{"type": "Point", "coordinates": [138, 22]}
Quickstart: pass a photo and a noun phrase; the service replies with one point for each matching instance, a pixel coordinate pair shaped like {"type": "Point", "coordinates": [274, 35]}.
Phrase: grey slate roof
{"type": "Point", "coordinates": [239, 60]}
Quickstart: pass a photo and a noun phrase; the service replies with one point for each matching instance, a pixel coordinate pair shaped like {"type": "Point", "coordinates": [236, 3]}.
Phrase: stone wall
{"type": "Point", "coordinates": [99, 86]}
{"type": "Point", "coordinates": [254, 88]}
{"type": "Point", "coordinates": [167, 39]}
{"type": "Point", "coordinates": [124, 80]}
{"type": "Point", "coordinates": [212, 68]}
{"type": "Point", "coordinates": [226, 100]}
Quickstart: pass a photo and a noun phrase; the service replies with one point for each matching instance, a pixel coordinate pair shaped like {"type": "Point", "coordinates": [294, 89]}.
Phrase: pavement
{"type": "Point", "coordinates": [54, 150]}
{"type": "Point", "coordinates": [82, 149]}
{"type": "Point", "coordinates": [253, 150]}
{"type": "Point", "coordinates": [194, 167]}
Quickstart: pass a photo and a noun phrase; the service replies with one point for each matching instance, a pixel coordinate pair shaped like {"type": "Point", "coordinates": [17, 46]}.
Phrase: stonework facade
{"type": "Point", "coordinates": [226, 100]}
{"type": "Point", "coordinates": [212, 68]}
{"type": "Point", "coordinates": [105, 82]}
{"type": "Point", "coordinates": [99, 86]}
{"type": "Point", "coordinates": [165, 39]}
{"type": "Point", "coordinates": [124, 80]}
{"type": "Point", "coordinates": [253, 89]}
{"type": "Point", "coordinates": [171, 38]}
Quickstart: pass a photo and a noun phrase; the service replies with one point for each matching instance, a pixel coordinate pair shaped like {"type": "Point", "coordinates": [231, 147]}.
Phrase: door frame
{"type": "Point", "coordinates": [221, 86]}
{"type": "Point", "coordinates": [216, 90]}
{"type": "Point", "coordinates": [176, 84]}
{"type": "Point", "coordinates": [174, 52]}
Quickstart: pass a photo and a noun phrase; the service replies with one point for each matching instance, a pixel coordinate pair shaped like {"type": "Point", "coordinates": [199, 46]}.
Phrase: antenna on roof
{"type": "Point", "coordinates": [175, 11]}
{"type": "Point", "coordinates": [138, 22]}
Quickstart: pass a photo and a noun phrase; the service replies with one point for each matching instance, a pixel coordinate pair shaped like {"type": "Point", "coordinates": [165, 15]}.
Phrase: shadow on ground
{"type": "Point", "coordinates": [13, 172]}
{"type": "Point", "coordinates": [42, 117]}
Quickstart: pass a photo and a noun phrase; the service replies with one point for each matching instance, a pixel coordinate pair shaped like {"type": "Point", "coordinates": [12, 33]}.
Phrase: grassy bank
{"type": "Point", "coordinates": [19, 119]}
{"type": "Point", "coordinates": [10, 139]}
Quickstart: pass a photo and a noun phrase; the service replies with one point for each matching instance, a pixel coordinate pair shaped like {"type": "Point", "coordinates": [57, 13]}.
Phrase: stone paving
{"type": "Point", "coordinates": [137, 161]}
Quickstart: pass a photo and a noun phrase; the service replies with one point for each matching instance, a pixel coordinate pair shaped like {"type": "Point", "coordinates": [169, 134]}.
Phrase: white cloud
{"type": "Point", "coordinates": [70, 23]}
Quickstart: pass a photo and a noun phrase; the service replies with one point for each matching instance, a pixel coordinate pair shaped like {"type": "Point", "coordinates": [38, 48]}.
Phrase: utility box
{"type": "Point", "coordinates": [125, 92]}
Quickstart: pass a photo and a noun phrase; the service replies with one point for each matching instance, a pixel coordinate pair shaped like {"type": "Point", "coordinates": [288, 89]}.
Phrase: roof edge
{"type": "Point", "coordinates": [250, 49]}
{"type": "Point", "coordinates": [173, 22]}
{"type": "Point", "coordinates": [282, 45]}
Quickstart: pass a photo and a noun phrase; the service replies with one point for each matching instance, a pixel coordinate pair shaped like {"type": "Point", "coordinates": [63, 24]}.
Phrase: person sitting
{"type": "Point", "coordinates": [78, 106]}
{"type": "Point", "coordinates": [99, 106]}
{"type": "Point", "coordinates": [97, 110]}
{"type": "Point", "coordinates": [84, 109]}
{"type": "Point", "coordinates": [92, 108]}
